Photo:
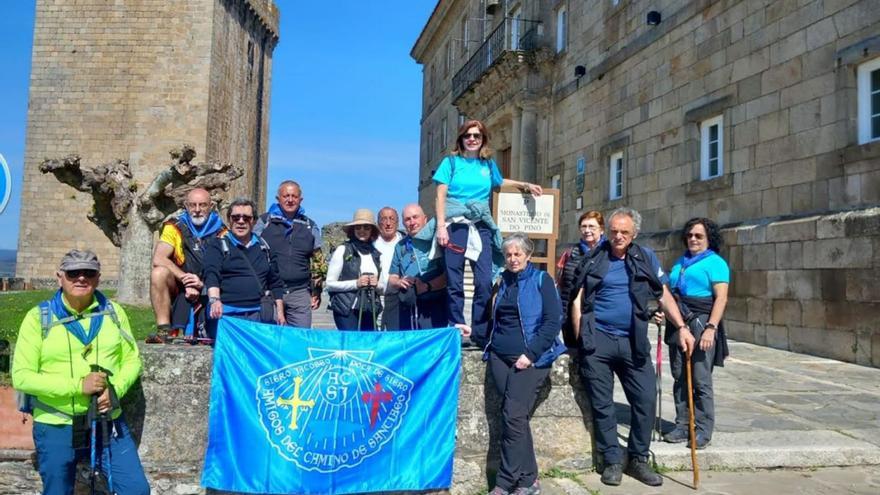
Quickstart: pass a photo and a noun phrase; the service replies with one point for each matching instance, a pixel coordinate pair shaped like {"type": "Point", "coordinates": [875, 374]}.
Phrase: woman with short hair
{"type": "Point", "coordinates": [699, 280]}
{"type": "Point", "coordinates": [353, 275]}
{"type": "Point", "coordinates": [521, 347]}
{"type": "Point", "coordinates": [592, 227]}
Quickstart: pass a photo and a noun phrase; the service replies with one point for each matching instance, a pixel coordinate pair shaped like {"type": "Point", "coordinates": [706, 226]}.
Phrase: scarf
{"type": "Point", "coordinates": [210, 227]}
{"type": "Point", "coordinates": [361, 246]}
{"type": "Point", "coordinates": [56, 304]}
{"type": "Point", "coordinates": [275, 211]}
{"type": "Point", "coordinates": [686, 261]}
{"type": "Point", "coordinates": [236, 242]}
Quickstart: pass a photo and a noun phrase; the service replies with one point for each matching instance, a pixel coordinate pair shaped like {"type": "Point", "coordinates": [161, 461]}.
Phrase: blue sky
{"type": "Point", "coordinates": [346, 98]}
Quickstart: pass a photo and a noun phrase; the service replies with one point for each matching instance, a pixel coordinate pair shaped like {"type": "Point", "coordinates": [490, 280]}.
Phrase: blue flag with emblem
{"type": "Point", "coordinates": [306, 411]}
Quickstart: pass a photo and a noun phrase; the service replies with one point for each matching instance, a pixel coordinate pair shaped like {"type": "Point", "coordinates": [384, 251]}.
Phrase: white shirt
{"type": "Point", "coordinates": [386, 250]}
{"type": "Point", "coordinates": [334, 269]}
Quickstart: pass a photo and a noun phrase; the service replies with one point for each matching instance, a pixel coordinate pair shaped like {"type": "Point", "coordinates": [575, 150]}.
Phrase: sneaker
{"type": "Point", "coordinates": [703, 440]}
{"type": "Point", "coordinates": [612, 474]}
{"type": "Point", "coordinates": [677, 435]}
{"type": "Point", "coordinates": [535, 489]}
{"type": "Point", "coordinates": [160, 336]}
{"type": "Point", "coordinates": [643, 472]}
{"type": "Point", "coordinates": [499, 491]}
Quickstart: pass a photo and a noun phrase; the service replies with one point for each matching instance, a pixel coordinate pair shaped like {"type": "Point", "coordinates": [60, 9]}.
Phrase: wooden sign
{"type": "Point", "coordinates": [537, 217]}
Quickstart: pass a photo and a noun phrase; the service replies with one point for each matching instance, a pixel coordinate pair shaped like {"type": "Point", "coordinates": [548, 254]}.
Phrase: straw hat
{"type": "Point", "coordinates": [362, 216]}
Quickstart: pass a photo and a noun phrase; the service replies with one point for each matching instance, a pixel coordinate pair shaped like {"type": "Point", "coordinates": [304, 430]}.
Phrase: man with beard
{"type": "Point", "coordinates": [176, 286]}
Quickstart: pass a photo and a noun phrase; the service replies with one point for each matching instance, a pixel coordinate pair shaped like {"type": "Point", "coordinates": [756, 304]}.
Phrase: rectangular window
{"type": "Point", "coordinates": [444, 136]}
{"type": "Point", "coordinates": [464, 36]}
{"type": "Point", "coordinates": [432, 77]}
{"type": "Point", "coordinates": [555, 181]}
{"type": "Point", "coordinates": [447, 64]}
{"type": "Point", "coordinates": [515, 16]}
{"type": "Point", "coordinates": [561, 29]}
{"type": "Point", "coordinates": [430, 146]}
{"type": "Point", "coordinates": [615, 176]}
{"type": "Point", "coordinates": [711, 148]}
{"type": "Point", "coordinates": [869, 101]}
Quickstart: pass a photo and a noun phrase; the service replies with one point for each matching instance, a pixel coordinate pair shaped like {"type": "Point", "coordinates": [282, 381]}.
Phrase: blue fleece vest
{"type": "Point", "coordinates": [530, 306]}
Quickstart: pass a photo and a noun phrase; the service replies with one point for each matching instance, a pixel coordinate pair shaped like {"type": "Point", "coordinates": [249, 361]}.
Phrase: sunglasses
{"type": "Point", "coordinates": [363, 227]}
{"type": "Point", "coordinates": [75, 274]}
{"type": "Point", "coordinates": [472, 135]}
{"type": "Point", "coordinates": [695, 236]}
{"type": "Point", "coordinates": [241, 218]}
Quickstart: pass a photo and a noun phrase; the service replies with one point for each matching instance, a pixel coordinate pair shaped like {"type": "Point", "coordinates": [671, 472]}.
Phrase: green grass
{"type": "Point", "coordinates": [16, 304]}
{"type": "Point", "coordinates": [555, 472]}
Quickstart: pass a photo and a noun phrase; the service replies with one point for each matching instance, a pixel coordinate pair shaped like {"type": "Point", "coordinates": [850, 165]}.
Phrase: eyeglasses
{"type": "Point", "coordinates": [241, 218]}
{"type": "Point", "coordinates": [589, 227]}
{"type": "Point", "coordinates": [472, 135]}
{"type": "Point", "coordinates": [696, 236]}
{"type": "Point", "coordinates": [75, 274]}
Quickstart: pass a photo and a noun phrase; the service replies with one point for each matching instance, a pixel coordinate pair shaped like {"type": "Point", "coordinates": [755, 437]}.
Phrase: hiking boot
{"type": "Point", "coordinates": [535, 489]}
{"type": "Point", "coordinates": [160, 336]}
{"type": "Point", "coordinates": [643, 472]}
{"type": "Point", "coordinates": [677, 435]}
{"type": "Point", "coordinates": [499, 491]}
{"type": "Point", "coordinates": [703, 440]}
{"type": "Point", "coordinates": [612, 474]}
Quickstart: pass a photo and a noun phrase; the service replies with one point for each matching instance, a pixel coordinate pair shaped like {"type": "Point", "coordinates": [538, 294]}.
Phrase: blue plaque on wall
{"type": "Point", "coordinates": [581, 171]}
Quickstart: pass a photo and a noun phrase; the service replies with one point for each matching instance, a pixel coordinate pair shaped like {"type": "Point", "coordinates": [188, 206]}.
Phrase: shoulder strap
{"type": "Point", "coordinates": [224, 246]}
{"type": "Point", "coordinates": [45, 318]}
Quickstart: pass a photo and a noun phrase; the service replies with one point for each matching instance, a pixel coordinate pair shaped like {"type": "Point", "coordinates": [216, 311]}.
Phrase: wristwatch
{"type": "Point", "coordinates": [212, 300]}
{"type": "Point", "coordinates": [711, 325]}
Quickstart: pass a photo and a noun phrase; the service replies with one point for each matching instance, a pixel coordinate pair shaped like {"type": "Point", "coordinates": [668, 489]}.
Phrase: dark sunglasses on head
{"type": "Point", "coordinates": [74, 274]}
{"type": "Point", "coordinates": [472, 135]}
{"type": "Point", "coordinates": [241, 218]}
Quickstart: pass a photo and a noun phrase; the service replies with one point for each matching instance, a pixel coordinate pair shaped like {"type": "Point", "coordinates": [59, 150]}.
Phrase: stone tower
{"type": "Point", "coordinates": [133, 79]}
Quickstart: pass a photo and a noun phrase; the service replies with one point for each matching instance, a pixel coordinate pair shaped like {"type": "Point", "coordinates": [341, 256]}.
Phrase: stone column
{"type": "Point", "coordinates": [515, 144]}
{"type": "Point", "coordinates": [528, 148]}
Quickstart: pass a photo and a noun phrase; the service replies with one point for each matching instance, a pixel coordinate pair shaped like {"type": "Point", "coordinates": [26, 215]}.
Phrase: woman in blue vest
{"type": "Point", "coordinates": [699, 279]}
{"type": "Point", "coordinates": [521, 347]}
{"type": "Point", "coordinates": [353, 275]}
{"type": "Point", "coordinates": [465, 180]}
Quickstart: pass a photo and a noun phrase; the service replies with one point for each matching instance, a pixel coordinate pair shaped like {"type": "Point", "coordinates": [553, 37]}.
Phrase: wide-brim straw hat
{"type": "Point", "coordinates": [362, 216]}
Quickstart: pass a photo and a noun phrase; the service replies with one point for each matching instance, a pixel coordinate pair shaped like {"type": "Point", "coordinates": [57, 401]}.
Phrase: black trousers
{"type": "Point", "coordinates": [702, 363]}
{"type": "Point", "coordinates": [518, 390]}
{"type": "Point", "coordinates": [613, 355]}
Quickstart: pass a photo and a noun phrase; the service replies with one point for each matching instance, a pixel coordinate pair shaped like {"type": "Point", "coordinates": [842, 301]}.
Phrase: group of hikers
{"type": "Point", "coordinates": [270, 268]}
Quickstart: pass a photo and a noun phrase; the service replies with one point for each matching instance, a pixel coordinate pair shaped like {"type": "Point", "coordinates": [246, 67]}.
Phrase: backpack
{"type": "Point", "coordinates": [25, 402]}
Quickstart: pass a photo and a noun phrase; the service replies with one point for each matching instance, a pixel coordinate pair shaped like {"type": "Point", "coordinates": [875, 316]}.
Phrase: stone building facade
{"type": "Point", "coordinates": [763, 115]}
{"type": "Point", "coordinates": [132, 80]}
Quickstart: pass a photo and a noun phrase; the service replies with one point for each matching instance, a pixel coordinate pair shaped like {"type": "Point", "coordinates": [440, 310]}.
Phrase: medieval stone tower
{"type": "Point", "coordinates": [132, 79]}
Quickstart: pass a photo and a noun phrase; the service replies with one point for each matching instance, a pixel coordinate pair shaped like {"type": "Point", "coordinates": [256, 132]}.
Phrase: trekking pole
{"type": "Point", "coordinates": [691, 426]}
{"type": "Point", "coordinates": [106, 429]}
{"type": "Point", "coordinates": [373, 308]}
{"type": "Point", "coordinates": [360, 296]}
{"type": "Point", "coordinates": [659, 422]}
{"type": "Point", "coordinates": [93, 423]}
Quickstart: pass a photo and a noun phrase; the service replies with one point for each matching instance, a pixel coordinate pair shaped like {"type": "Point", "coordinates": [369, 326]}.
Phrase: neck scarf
{"type": "Point", "coordinates": [361, 246]}
{"type": "Point", "coordinates": [210, 227]}
{"type": "Point", "coordinates": [56, 304]}
{"type": "Point", "coordinates": [236, 242]}
{"type": "Point", "coordinates": [686, 261]}
{"type": "Point", "coordinates": [275, 211]}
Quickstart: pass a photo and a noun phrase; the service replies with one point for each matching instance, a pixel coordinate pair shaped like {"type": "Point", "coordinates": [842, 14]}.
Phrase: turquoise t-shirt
{"type": "Point", "coordinates": [473, 178]}
{"type": "Point", "coordinates": [701, 276]}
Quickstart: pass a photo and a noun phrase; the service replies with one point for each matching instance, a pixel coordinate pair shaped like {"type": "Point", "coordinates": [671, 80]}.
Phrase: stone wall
{"type": "Point", "coordinates": [804, 284]}
{"type": "Point", "coordinates": [127, 80]}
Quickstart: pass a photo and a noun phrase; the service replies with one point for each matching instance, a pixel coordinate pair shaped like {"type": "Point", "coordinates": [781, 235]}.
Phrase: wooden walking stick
{"type": "Point", "coordinates": [691, 422]}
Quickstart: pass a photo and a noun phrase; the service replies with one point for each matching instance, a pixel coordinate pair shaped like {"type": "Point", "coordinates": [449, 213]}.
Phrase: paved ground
{"type": "Point", "coordinates": [836, 481]}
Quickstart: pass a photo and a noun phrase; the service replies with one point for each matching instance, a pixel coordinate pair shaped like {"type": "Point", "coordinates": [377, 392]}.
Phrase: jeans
{"type": "Point", "coordinates": [57, 459]}
{"type": "Point", "coordinates": [482, 268]}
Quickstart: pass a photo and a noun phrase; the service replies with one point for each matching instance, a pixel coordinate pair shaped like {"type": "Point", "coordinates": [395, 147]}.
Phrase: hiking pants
{"type": "Point", "coordinates": [482, 268]}
{"type": "Point", "coordinates": [702, 364]}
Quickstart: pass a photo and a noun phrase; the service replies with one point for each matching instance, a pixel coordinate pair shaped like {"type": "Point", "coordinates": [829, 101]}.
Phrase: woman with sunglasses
{"type": "Point", "coordinates": [699, 279]}
{"type": "Point", "coordinates": [353, 275]}
{"type": "Point", "coordinates": [464, 226]}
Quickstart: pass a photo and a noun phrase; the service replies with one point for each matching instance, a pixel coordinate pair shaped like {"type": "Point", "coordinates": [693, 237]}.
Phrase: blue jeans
{"type": "Point", "coordinates": [57, 459]}
{"type": "Point", "coordinates": [482, 268]}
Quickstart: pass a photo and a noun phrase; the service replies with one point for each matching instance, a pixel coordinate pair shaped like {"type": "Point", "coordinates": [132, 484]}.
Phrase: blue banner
{"type": "Point", "coordinates": [317, 411]}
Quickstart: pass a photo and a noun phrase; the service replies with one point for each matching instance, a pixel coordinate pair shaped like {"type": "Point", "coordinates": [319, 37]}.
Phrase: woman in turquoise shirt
{"type": "Point", "coordinates": [699, 279]}
{"type": "Point", "coordinates": [465, 180]}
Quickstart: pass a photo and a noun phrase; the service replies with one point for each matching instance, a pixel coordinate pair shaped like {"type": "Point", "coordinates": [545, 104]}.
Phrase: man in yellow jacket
{"type": "Point", "coordinates": [73, 351]}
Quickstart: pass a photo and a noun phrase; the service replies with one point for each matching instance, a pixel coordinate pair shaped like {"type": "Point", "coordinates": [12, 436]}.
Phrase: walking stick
{"type": "Point", "coordinates": [93, 423]}
{"type": "Point", "coordinates": [360, 297]}
{"type": "Point", "coordinates": [691, 422]}
{"type": "Point", "coordinates": [659, 425]}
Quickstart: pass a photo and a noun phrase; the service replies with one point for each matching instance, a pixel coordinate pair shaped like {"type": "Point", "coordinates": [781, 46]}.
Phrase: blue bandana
{"type": "Point", "coordinates": [585, 248]}
{"type": "Point", "coordinates": [236, 242]}
{"type": "Point", "coordinates": [56, 304]}
{"type": "Point", "coordinates": [210, 227]}
{"type": "Point", "coordinates": [275, 211]}
{"type": "Point", "coordinates": [686, 261]}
